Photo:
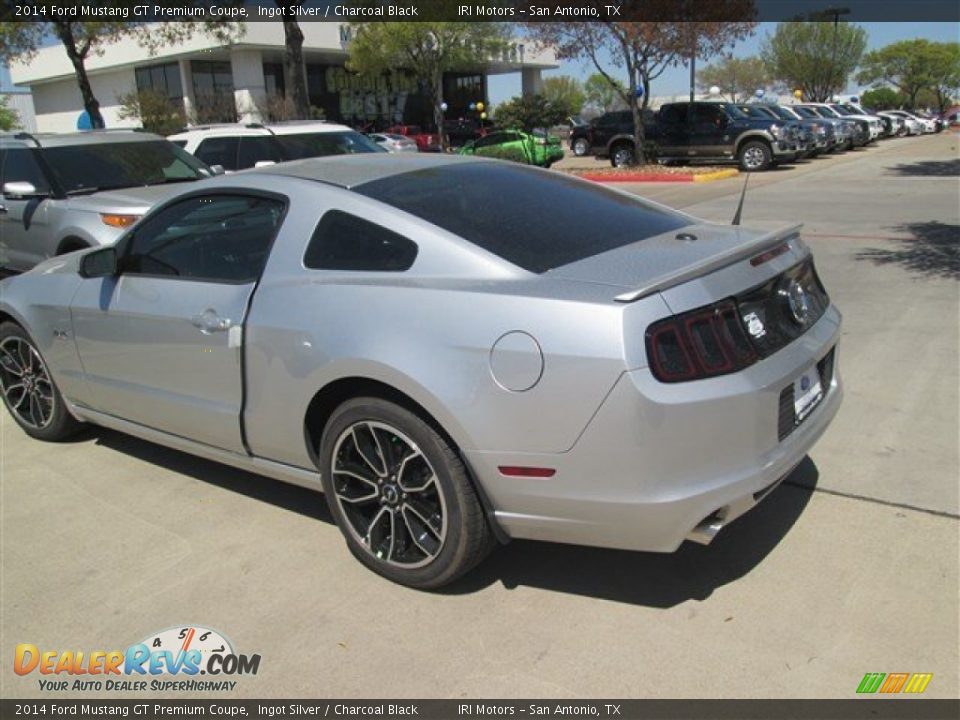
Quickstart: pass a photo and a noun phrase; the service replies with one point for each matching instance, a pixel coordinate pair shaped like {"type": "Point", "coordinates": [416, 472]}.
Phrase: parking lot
{"type": "Point", "coordinates": [848, 568]}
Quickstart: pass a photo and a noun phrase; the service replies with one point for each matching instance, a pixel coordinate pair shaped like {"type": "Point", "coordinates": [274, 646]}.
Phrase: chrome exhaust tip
{"type": "Point", "coordinates": [707, 529]}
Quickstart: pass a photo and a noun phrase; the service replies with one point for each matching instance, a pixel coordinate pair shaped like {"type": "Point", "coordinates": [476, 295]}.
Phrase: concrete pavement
{"type": "Point", "coordinates": [851, 567]}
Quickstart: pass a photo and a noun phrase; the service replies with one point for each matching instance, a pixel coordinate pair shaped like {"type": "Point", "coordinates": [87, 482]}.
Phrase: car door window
{"type": "Point", "coordinates": [219, 151]}
{"type": "Point", "coordinates": [220, 238]}
{"type": "Point", "coordinates": [20, 165]}
{"type": "Point", "coordinates": [254, 149]}
{"type": "Point", "coordinates": [708, 115]}
{"type": "Point", "coordinates": [488, 140]}
{"type": "Point", "coordinates": [673, 114]}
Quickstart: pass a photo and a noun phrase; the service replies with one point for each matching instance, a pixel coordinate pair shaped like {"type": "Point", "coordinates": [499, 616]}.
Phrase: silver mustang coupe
{"type": "Point", "coordinates": [456, 351]}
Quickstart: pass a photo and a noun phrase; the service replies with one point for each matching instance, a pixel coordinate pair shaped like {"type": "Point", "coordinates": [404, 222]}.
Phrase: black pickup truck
{"type": "Point", "coordinates": [715, 133]}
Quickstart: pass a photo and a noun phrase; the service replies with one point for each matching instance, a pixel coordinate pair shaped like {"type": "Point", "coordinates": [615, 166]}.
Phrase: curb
{"type": "Point", "coordinates": [718, 175]}
{"type": "Point", "coordinates": [655, 177]}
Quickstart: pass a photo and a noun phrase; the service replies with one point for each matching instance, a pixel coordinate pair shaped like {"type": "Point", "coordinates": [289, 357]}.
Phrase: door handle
{"type": "Point", "coordinates": [210, 322]}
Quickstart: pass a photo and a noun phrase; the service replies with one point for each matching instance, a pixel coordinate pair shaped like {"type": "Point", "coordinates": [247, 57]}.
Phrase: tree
{"type": "Point", "coordinates": [565, 93]}
{"type": "Point", "coordinates": [9, 118]}
{"type": "Point", "coordinates": [801, 55]}
{"type": "Point", "coordinates": [529, 112]}
{"type": "Point", "coordinates": [912, 66]}
{"type": "Point", "coordinates": [294, 70]}
{"type": "Point", "coordinates": [154, 109]}
{"type": "Point", "coordinates": [737, 78]}
{"type": "Point", "coordinates": [21, 40]}
{"type": "Point", "coordinates": [945, 69]}
{"type": "Point", "coordinates": [881, 98]}
{"type": "Point", "coordinates": [603, 96]}
{"type": "Point", "coordinates": [646, 49]}
{"type": "Point", "coordinates": [427, 49]}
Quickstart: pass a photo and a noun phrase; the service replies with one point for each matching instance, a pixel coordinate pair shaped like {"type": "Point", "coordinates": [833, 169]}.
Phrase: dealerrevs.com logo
{"type": "Point", "coordinates": [183, 652]}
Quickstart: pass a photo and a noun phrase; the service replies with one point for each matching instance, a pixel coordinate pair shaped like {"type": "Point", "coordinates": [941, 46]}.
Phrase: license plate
{"type": "Point", "coordinates": [807, 393]}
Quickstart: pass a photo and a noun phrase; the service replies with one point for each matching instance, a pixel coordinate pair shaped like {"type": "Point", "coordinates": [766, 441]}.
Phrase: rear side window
{"type": "Point", "coordinates": [346, 242]}
{"type": "Point", "coordinates": [219, 151]}
{"type": "Point", "coordinates": [320, 144]}
{"type": "Point", "coordinates": [533, 219]}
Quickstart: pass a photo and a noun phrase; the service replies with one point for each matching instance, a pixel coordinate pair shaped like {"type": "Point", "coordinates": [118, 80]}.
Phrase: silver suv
{"type": "Point", "coordinates": [66, 192]}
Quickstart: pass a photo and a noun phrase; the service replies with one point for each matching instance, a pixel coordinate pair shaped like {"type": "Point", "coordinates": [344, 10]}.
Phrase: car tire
{"type": "Point", "coordinates": [401, 495]}
{"type": "Point", "coordinates": [621, 155]}
{"type": "Point", "coordinates": [754, 156]}
{"type": "Point", "coordinates": [28, 389]}
{"type": "Point", "coordinates": [581, 147]}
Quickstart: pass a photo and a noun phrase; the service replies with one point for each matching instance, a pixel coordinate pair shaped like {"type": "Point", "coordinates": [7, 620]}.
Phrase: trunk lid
{"type": "Point", "coordinates": [672, 258]}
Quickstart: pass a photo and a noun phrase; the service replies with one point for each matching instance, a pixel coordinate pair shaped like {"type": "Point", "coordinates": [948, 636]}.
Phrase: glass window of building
{"type": "Point", "coordinates": [164, 78]}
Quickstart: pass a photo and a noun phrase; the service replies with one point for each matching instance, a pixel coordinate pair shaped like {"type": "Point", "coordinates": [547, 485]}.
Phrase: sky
{"type": "Point", "coordinates": [675, 81]}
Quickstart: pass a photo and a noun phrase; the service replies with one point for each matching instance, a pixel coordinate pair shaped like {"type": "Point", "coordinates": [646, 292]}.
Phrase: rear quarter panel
{"type": "Point", "coordinates": [428, 333]}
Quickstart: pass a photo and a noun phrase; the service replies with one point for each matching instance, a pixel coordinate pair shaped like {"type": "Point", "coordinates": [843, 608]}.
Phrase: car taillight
{"type": "Point", "coordinates": [702, 343]}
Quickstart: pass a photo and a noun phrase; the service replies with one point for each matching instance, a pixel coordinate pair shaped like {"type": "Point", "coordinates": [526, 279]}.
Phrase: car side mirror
{"type": "Point", "coordinates": [218, 170]}
{"type": "Point", "coordinates": [21, 190]}
{"type": "Point", "coordinates": [100, 263]}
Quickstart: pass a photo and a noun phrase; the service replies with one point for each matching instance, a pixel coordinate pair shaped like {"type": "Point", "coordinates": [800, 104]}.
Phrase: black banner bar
{"type": "Point", "coordinates": [484, 11]}
{"type": "Point", "coordinates": [854, 709]}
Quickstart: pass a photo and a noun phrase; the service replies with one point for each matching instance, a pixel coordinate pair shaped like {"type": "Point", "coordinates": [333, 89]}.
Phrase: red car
{"type": "Point", "coordinates": [426, 142]}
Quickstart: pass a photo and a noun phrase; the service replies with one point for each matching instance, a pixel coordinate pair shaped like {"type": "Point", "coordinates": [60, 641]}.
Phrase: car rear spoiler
{"type": "Point", "coordinates": [740, 252]}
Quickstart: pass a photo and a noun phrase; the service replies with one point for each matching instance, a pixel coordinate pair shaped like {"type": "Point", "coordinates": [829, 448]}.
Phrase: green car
{"type": "Point", "coordinates": [535, 148]}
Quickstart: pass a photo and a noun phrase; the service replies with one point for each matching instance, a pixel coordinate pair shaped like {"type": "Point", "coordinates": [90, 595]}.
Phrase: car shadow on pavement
{"type": "Point", "coordinates": [927, 168]}
{"type": "Point", "coordinates": [284, 495]}
{"type": "Point", "coordinates": [933, 250]}
{"type": "Point", "coordinates": [652, 579]}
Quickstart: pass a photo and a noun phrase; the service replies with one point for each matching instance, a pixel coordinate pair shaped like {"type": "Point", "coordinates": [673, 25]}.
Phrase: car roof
{"type": "Point", "coordinates": [85, 137]}
{"type": "Point", "coordinates": [228, 129]}
{"type": "Point", "coordinates": [281, 128]}
{"type": "Point", "coordinates": [348, 171]}
{"type": "Point", "coordinates": [299, 126]}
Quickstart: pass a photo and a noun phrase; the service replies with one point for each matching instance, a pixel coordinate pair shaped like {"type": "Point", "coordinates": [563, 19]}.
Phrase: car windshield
{"type": "Point", "coordinates": [824, 111]}
{"type": "Point", "coordinates": [754, 111]}
{"type": "Point", "coordinates": [840, 110]}
{"type": "Point", "coordinates": [317, 144]}
{"type": "Point", "coordinates": [851, 109]}
{"type": "Point", "coordinates": [736, 112]}
{"type": "Point", "coordinates": [535, 220]}
{"type": "Point", "coordinates": [106, 166]}
{"type": "Point", "coordinates": [780, 112]}
{"type": "Point", "coordinates": [805, 112]}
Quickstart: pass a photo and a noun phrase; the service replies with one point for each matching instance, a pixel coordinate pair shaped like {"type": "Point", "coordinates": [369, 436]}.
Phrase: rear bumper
{"type": "Point", "coordinates": [661, 463]}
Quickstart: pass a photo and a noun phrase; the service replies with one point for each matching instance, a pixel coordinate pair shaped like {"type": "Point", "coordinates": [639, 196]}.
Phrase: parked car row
{"type": "Point", "coordinates": [755, 136]}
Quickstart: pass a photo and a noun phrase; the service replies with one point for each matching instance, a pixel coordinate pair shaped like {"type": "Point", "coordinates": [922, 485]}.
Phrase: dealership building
{"type": "Point", "coordinates": [243, 81]}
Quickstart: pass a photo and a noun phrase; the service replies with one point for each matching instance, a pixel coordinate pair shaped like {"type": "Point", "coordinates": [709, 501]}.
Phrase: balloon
{"type": "Point", "coordinates": [854, 99]}
{"type": "Point", "coordinates": [639, 91]}
{"type": "Point", "coordinates": [444, 106]}
{"type": "Point", "coordinates": [483, 116]}
{"type": "Point", "coordinates": [480, 106]}
{"type": "Point", "coordinates": [759, 92]}
{"type": "Point", "coordinates": [473, 106]}
{"type": "Point", "coordinates": [714, 90]}
{"type": "Point", "coordinates": [798, 94]}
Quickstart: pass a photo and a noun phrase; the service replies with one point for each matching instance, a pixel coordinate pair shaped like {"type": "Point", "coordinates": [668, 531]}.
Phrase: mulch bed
{"type": "Point", "coordinates": [644, 173]}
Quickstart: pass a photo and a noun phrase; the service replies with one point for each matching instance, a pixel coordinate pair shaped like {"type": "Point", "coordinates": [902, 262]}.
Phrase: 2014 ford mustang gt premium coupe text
{"type": "Point", "coordinates": [455, 350]}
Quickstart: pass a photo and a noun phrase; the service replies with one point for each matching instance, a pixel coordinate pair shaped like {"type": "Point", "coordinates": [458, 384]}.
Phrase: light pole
{"type": "Point", "coordinates": [835, 13]}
